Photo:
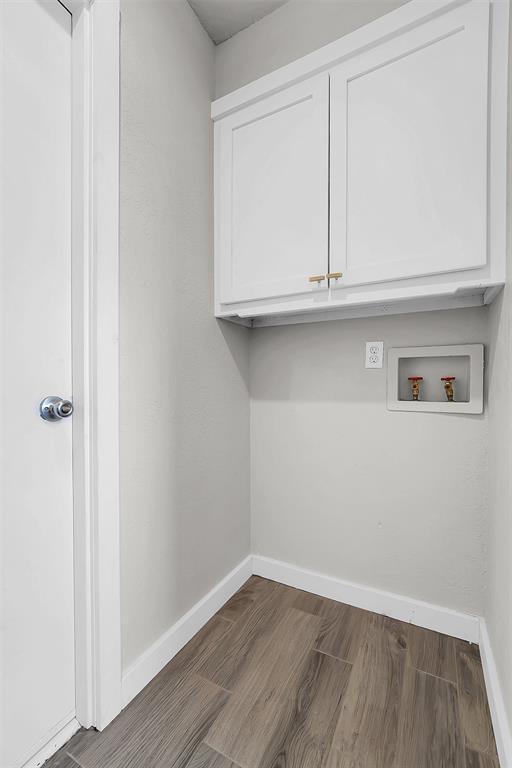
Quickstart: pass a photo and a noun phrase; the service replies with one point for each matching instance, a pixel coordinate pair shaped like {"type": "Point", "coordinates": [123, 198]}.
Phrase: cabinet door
{"type": "Point", "coordinates": [409, 152]}
{"type": "Point", "coordinates": [272, 194]}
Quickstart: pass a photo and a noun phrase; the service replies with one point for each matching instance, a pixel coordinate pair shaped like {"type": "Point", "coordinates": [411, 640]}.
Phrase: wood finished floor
{"type": "Point", "coordinates": [283, 679]}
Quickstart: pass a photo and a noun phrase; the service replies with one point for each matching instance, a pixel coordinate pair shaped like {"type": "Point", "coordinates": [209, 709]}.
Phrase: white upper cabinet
{"type": "Point", "coordinates": [377, 164]}
{"type": "Point", "coordinates": [272, 185]}
{"type": "Point", "coordinates": [409, 152]}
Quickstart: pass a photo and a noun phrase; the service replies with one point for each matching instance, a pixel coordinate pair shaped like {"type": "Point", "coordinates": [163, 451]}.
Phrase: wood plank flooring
{"type": "Point", "coordinates": [283, 679]}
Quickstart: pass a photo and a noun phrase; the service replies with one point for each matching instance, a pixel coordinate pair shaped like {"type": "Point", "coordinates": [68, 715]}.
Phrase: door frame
{"type": "Point", "coordinates": [95, 357]}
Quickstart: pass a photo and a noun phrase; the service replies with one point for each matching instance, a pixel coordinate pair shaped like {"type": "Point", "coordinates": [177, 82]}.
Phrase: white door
{"type": "Point", "coordinates": [272, 188]}
{"type": "Point", "coordinates": [409, 152]}
{"type": "Point", "coordinates": [37, 632]}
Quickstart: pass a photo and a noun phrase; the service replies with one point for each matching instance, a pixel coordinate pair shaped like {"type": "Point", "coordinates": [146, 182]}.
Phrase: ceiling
{"type": "Point", "coordinates": [224, 18]}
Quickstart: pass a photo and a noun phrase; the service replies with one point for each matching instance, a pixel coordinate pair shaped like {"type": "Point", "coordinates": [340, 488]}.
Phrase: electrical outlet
{"type": "Point", "coordinates": [374, 354]}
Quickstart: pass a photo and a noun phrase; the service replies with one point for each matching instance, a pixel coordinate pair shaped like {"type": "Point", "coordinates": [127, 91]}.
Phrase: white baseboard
{"type": "Point", "coordinates": [62, 736]}
{"type": "Point", "coordinates": [496, 704]}
{"type": "Point", "coordinates": [444, 620]}
{"type": "Point", "coordinates": [427, 615]}
{"type": "Point", "coordinates": [449, 622]}
{"type": "Point", "coordinates": [149, 664]}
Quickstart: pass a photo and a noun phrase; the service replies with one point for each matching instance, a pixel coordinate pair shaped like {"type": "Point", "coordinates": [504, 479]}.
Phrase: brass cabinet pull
{"type": "Point", "coordinates": [316, 278]}
{"type": "Point", "coordinates": [334, 275]}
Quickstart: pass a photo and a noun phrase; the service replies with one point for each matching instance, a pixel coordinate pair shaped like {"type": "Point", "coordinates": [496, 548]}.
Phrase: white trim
{"type": "Point", "coordinates": [62, 736]}
{"type": "Point", "coordinates": [104, 361]}
{"type": "Point", "coordinates": [81, 365]}
{"type": "Point", "coordinates": [449, 622]}
{"type": "Point", "coordinates": [149, 664]}
{"type": "Point", "coordinates": [377, 309]}
{"type": "Point", "coordinates": [427, 615]}
{"type": "Point", "coordinates": [425, 295]}
{"type": "Point", "coordinates": [95, 256]}
{"type": "Point", "coordinates": [498, 138]}
{"type": "Point", "coordinates": [491, 292]}
{"type": "Point", "coordinates": [369, 36]}
{"type": "Point", "coordinates": [495, 697]}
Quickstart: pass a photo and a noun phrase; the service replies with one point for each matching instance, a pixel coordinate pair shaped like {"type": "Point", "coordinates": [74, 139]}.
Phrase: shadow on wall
{"type": "Point", "coordinates": [326, 361]}
{"type": "Point", "coordinates": [341, 485]}
{"type": "Point", "coordinates": [237, 338]}
{"type": "Point", "coordinates": [184, 380]}
{"type": "Point", "coordinates": [208, 503]}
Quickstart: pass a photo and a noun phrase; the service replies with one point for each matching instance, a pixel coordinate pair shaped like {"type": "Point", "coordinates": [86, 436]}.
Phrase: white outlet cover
{"type": "Point", "coordinates": [374, 354]}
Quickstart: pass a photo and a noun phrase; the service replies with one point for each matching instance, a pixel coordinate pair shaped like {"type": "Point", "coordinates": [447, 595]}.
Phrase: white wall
{"type": "Point", "coordinates": [184, 398]}
{"type": "Point", "coordinates": [498, 604]}
{"type": "Point", "coordinates": [498, 599]}
{"type": "Point", "coordinates": [335, 477]}
{"type": "Point", "coordinates": [338, 484]}
{"type": "Point", "coordinates": [342, 486]}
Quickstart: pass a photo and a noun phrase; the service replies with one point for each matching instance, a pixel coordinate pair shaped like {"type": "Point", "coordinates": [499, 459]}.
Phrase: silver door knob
{"type": "Point", "coordinates": [55, 408]}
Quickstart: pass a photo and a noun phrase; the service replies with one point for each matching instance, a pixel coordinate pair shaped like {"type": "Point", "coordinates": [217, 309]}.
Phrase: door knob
{"type": "Point", "coordinates": [55, 408]}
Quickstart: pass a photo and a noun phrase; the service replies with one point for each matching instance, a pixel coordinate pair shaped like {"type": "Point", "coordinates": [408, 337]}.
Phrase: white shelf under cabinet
{"type": "Point", "coordinates": [381, 302]}
{"type": "Point", "coordinates": [464, 361]}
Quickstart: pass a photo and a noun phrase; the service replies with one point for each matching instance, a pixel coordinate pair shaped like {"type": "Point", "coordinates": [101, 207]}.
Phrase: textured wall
{"type": "Point", "coordinates": [339, 484]}
{"type": "Point", "coordinates": [498, 607]}
{"type": "Point", "coordinates": [184, 398]}
{"type": "Point", "coordinates": [498, 600]}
